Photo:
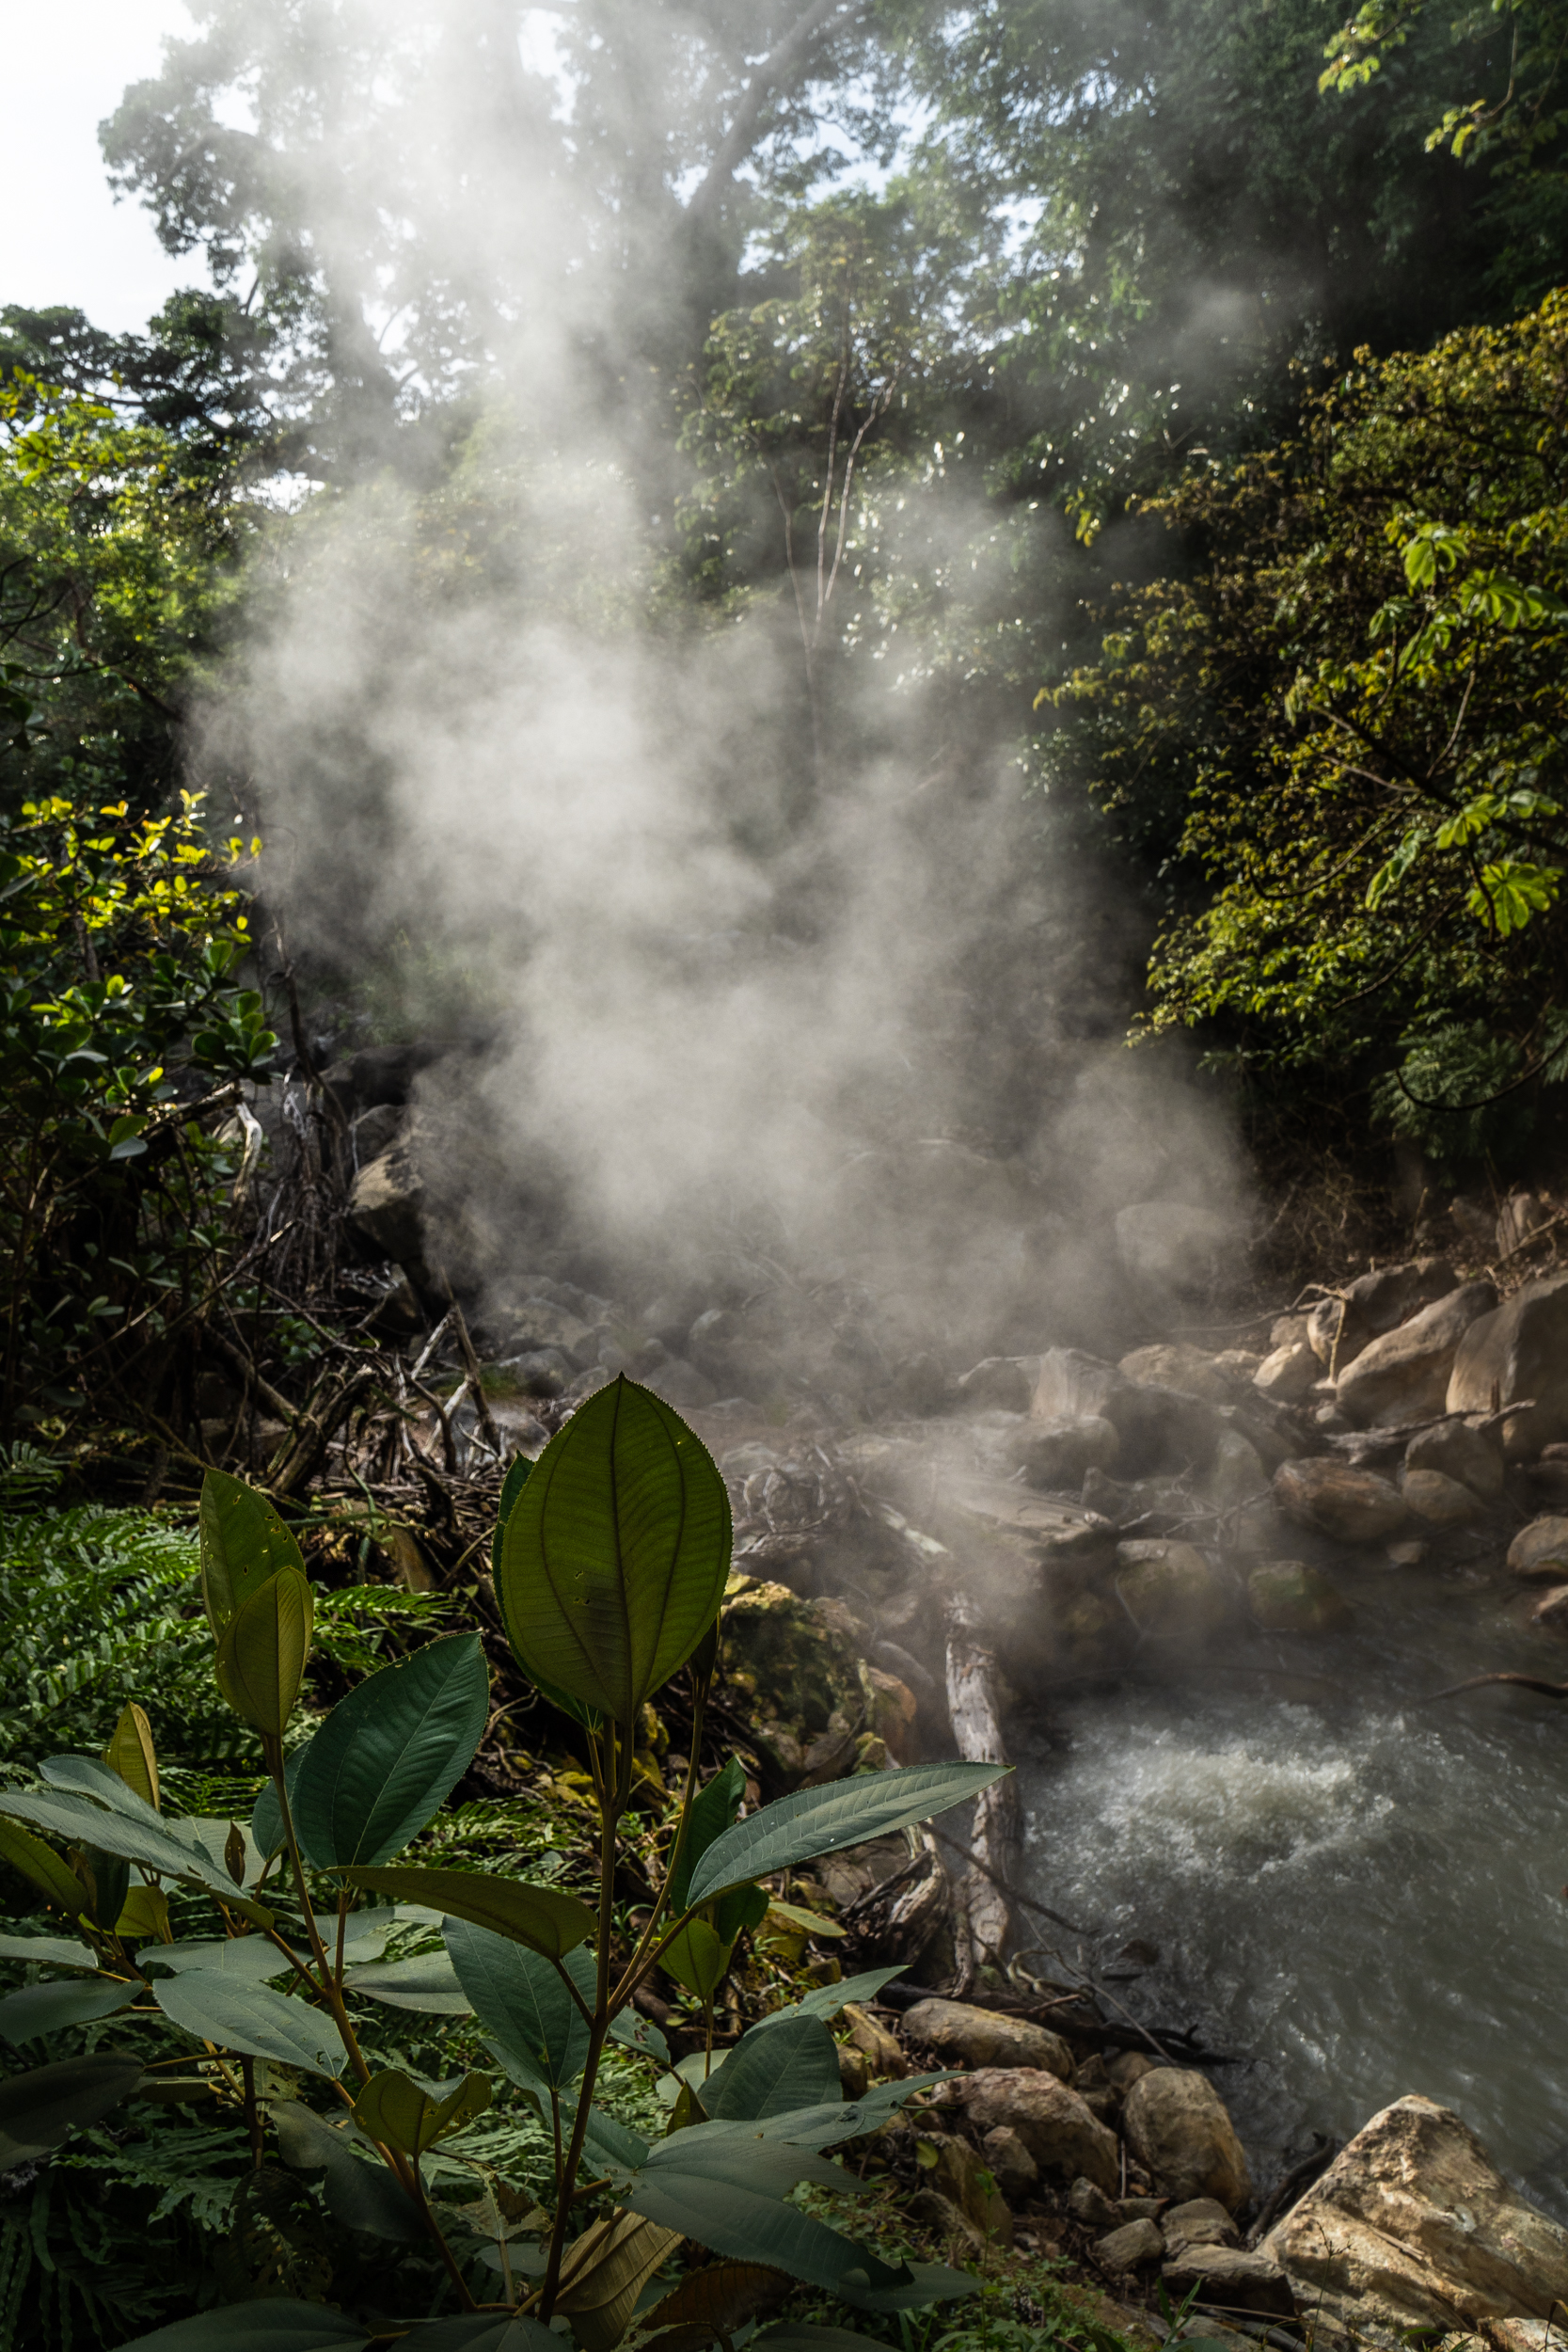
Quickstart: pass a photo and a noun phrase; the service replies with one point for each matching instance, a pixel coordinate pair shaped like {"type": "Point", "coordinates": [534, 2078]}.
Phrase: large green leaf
{"type": "Point", "coordinates": [263, 1650]}
{"type": "Point", "coordinates": [697, 1959]}
{"type": "Point", "coordinates": [266, 1821]}
{"type": "Point", "coordinates": [56, 1880]}
{"type": "Point", "coordinates": [826, 2000]}
{"type": "Point", "coordinates": [38, 2109]}
{"type": "Point", "coordinates": [482, 2331]}
{"type": "Point", "coordinates": [244, 1544]}
{"type": "Point", "coordinates": [713, 1811]}
{"type": "Point", "coordinates": [253, 2018]}
{"type": "Point", "coordinates": [732, 2196]}
{"type": "Point", "coordinates": [156, 1844]}
{"type": "Point", "coordinates": [520, 1999]}
{"type": "Point", "coordinates": [60, 1951]}
{"type": "Point", "coordinates": [50, 2008]}
{"type": "Point", "coordinates": [399, 2112]}
{"type": "Point", "coordinates": [615, 1553]}
{"type": "Point", "coordinates": [920, 2283]}
{"type": "Point", "coordinates": [390, 1753]}
{"type": "Point", "coordinates": [788, 2067]}
{"type": "Point", "coordinates": [246, 1959]}
{"type": "Point", "coordinates": [361, 2192]}
{"type": "Point", "coordinates": [824, 1821]}
{"type": "Point", "coordinates": [542, 1917]}
{"type": "Point", "coordinates": [511, 1487]}
{"type": "Point", "coordinates": [428, 1982]}
{"type": "Point", "coordinates": [271, 2326]}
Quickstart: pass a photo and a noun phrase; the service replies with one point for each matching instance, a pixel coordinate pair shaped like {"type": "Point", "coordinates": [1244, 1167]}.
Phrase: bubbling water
{"type": "Point", "coordinates": [1358, 1892]}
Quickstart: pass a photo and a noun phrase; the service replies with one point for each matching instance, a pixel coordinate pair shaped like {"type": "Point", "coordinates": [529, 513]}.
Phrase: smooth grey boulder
{"type": "Point", "coordinates": [1518, 1354]}
{"type": "Point", "coordinates": [1472, 1455]}
{"type": "Point", "coordinates": [1403, 1376]}
{"type": "Point", "coordinates": [1180, 2130]}
{"type": "Point", "coordinates": [1350, 1506]}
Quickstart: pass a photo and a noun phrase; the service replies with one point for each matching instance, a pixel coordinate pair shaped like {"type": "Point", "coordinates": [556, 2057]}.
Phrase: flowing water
{"type": "Point", "coordinates": [1361, 1894]}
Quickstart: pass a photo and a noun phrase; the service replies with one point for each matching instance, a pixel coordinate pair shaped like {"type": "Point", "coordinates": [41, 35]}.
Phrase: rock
{"type": "Point", "coordinates": [681, 1384]}
{"type": "Point", "coordinates": [1476, 1225]}
{"type": "Point", "coordinates": [1439, 1501]}
{"type": "Point", "coordinates": [1201, 2222]}
{"type": "Point", "coordinates": [1413, 2226]}
{"type": "Point", "coordinates": [1461, 1451]}
{"type": "Point", "coordinates": [1392, 1293]}
{"type": "Point", "coordinates": [375, 1132]}
{"type": "Point", "coordinates": [1289, 1371]}
{"type": "Point", "coordinates": [384, 1074]}
{"type": "Point", "coordinates": [1540, 1550]}
{"type": "Point", "coordinates": [1160, 1429]}
{"type": "Point", "coordinates": [1551, 1610]}
{"type": "Point", "coordinates": [947, 2220]}
{"type": "Point", "coordinates": [883, 2051]}
{"type": "Point", "coordinates": [1130, 2247]}
{"type": "Point", "coordinates": [1167, 1245]}
{"type": "Point", "coordinates": [1142, 2208]}
{"type": "Point", "coordinates": [1071, 1386]}
{"type": "Point", "coordinates": [1336, 1333]}
{"type": "Point", "coordinates": [540, 1371]}
{"type": "Point", "coordinates": [1088, 2203]}
{"type": "Point", "coordinates": [984, 2037]}
{"type": "Point", "coordinates": [1170, 1591]}
{"type": "Point", "coordinates": [397, 1315]}
{"type": "Point", "coordinates": [1188, 1369]}
{"type": "Point", "coordinates": [1404, 1374]}
{"type": "Point", "coordinates": [1350, 1506]}
{"type": "Point", "coordinates": [535, 1323]}
{"type": "Point", "coordinates": [1236, 2280]}
{"type": "Point", "coordinates": [385, 1207]}
{"type": "Point", "coordinates": [1177, 2125]}
{"type": "Point", "coordinates": [794, 1668]}
{"type": "Point", "coordinates": [1000, 1384]}
{"type": "Point", "coordinates": [1520, 1216]}
{"type": "Point", "coordinates": [1011, 2165]}
{"type": "Point", "coordinates": [1288, 1597]}
{"type": "Point", "coordinates": [1410, 1553]}
{"type": "Point", "coordinates": [894, 1709]}
{"type": "Point", "coordinates": [586, 1384]}
{"type": "Point", "coordinates": [958, 2174]}
{"type": "Point", "coordinates": [1238, 1364]}
{"type": "Point", "coordinates": [1052, 2121]}
{"type": "Point", "coordinates": [1518, 1354]}
{"type": "Point", "coordinates": [1097, 2090]}
{"type": "Point", "coordinates": [1128, 2065]}
{"type": "Point", "coordinates": [1057, 1459]}
{"type": "Point", "coordinates": [1238, 1475]}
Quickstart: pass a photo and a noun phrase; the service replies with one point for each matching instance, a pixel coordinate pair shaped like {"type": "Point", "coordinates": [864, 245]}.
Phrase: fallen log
{"type": "Point", "coordinates": [983, 1925]}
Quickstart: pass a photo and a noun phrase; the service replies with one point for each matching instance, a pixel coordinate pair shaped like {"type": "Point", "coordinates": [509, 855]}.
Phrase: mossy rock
{"type": "Point", "coordinates": [1288, 1597]}
{"type": "Point", "coordinates": [797, 1664]}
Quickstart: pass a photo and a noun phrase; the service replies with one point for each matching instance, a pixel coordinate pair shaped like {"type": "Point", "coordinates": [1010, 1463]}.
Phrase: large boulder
{"type": "Point", "coordinates": [1177, 2125]}
{"type": "Point", "coordinates": [795, 1668]}
{"type": "Point", "coordinates": [1170, 1591]}
{"type": "Point", "coordinates": [1350, 1506]}
{"type": "Point", "coordinates": [1160, 1429]}
{"type": "Point", "coordinates": [1071, 1386]}
{"type": "Point", "coordinates": [1412, 2226]}
{"type": "Point", "coordinates": [1059, 1458]}
{"type": "Point", "coordinates": [1289, 1597]}
{"type": "Point", "coordinates": [1341, 1328]}
{"type": "Point", "coordinates": [1172, 1364]}
{"type": "Point", "coordinates": [1403, 1376]}
{"type": "Point", "coordinates": [1540, 1550]}
{"type": "Point", "coordinates": [1441, 1501]}
{"type": "Point", "coordinates": [386, 1206]}
{"type": "Point", "coordinates": [1232, 2277]}
{"type": "Point", "coordinates": [1460, 1449]}
{"type": "Point", "coordinates": [986, 2037]}
{"type": "Point", "coordinates": [1061, 2135]}
{"type": "Point", "coordinates": [1518, 1354]}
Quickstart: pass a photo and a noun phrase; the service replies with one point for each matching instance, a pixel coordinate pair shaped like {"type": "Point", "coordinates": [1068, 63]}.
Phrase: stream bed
{"type": "Point", "coordinates": [1359, 1893]}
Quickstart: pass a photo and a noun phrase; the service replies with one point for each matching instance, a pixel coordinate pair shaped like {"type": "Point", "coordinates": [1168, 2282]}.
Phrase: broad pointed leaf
{"type": "Point", "coordinates": [263, 1650]}
{"type": "Point", "coordinates": [60, 1951]}
{"type": "Point", "coordinates": [266, 1821]}
{"type": "Point", "coordinates": [788, 2067]}
{"type": "Point", "coordinates": [429, 1982]}
{"type": "Point", "coordinates": [923, 2284]}
{"type": "Point", "coordinates": [713, 1811]}
{"type": "Point", "coordinates": [244, 1544]}
{"type": "Point", "coordinates": [38, 2109]}
{"type": "Point", "coordinates": [615, 1553]}
{"type": "Point", "coordinates": [519, 1998]}
{"type": "Point", "coordinates": [512, 1483]}
{"type": "Point", "coordinates": [361, 2192]}
{"type": "Point", "coordinates": [156, 1844]}
{"type": "Point", "coordinates": [242, 1959]}
{"type": "Point", "coordinates": [38, 2009]}
{"type": "Point", "coordinates": [826, 2000]}
{"type": "Point", "coordinates": [253, 2018]}
{"type": "Point", "coordinates": [399, 2112]}
{"type": "Point", "coordinates": [269, 2326]}
{"type": "Point", "coordinates": [40, 1863]}
{"type": "Point", "coordinates": [696, 1959]}
{"type": "Point", "coordinates": [824, 1821]}
{"type": "Point", "coordinates": [132, 1755]}
{"type": "Point", "coordinates": [542, 1917]}
{"type": "Point", "coordinates": [390, 1754]}
{"type": "Point", "coordinates": [735, 2199]}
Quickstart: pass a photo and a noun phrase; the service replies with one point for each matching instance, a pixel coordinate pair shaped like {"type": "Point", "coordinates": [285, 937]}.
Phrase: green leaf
{"type": "Point", "coordinates": [520, 1999]}
{"type": "Point", "coordinates": [399, 2112]}
{"type": "Point", "coordinates": [269, 2326]}
{"type": "Point", "coordinates": [713, 1811]}
{"type": "Point", "coordinates": [361, 2192]}
{"type": "Point", "coordinates": [250, 2017]}
{"type": "Point", "coordinates": [390, 1754]}
{"type": "Point", "coordinates": [697, 1959]}
{"type": "Point", "coordinates": [789, 2066]}
{"type": "Point", "coordinates": [611, 2146]}
{"type": "Point", "coordinates": [243, 1959]}
{"type": "Point", "coordinates": [266, 1821]}
{"type": "Point", "coordinates": [38, 2109]}
{"type": "Point", "coordinates": [58, 1951]}
{"type": "Point", "coordinates": [156, 1844]}
{"type": "Point", "coordinates": [40, 2009]}
{"type": "Point", "coordinates": [40, 1863]}
{"type": "Point", "coordinates": [824, 1821]}
{"type": "Point", "coordinates": [925, 2284]}
{"type": "Point", "coordinates": [511, 1487]}
{"type": "Point", "coordinates": [263, 1650]}
{"type": "Point", "coordinates": [731, 2194]}
{"type": "Point", "coordinates": [826, 2000]}
{"type": "Point", "coordinates": [244, 1544]}
{"type": "Point", "coordinates": [615, 1554]}
{"type": "Point", "coordinates": [428, 1982]}
{"type": "Point", "coordinates": [544, 1919]}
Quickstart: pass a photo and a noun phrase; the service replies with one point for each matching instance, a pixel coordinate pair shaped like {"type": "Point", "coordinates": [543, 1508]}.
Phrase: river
{"type": "Point", "coordinates": [1361, 1893]}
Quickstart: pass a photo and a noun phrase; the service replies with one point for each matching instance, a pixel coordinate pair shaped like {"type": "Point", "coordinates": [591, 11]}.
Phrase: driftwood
{"type": "Point", "coordinates": [983, 1926]}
